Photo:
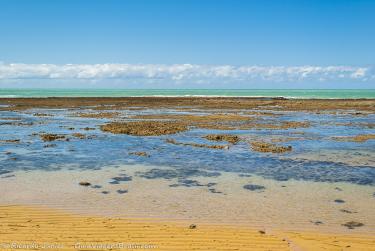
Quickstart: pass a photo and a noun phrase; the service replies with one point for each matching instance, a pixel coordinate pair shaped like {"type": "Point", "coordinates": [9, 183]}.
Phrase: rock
{"type": "Point", "coordinates": [144, 128]}
{"type": "Point", "coordinates": [265, 147]}
{"type": "Point", "coordinates": [142, 154]}
{"type": "Point", "coordinates": [339, 201]}
{"type": "Point", "coordinates": [223, 137]}
{"type": "Point", "coordinates": [192, 226]}
{"type": "Point", "coordinates": [79, 135]}
{"type": "Point", "coordinates": [84, 183]}
{"type": "Point", "coordinates": [51, 137]}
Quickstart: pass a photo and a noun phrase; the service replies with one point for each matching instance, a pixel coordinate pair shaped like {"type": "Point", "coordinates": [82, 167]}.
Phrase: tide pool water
{"type": "Point", "coordinates": [291, 93]}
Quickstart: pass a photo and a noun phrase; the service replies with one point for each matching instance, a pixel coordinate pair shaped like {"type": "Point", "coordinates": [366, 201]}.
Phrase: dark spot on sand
{"type": "Point", "coordinates": [347, 211]}
{"type": "Point", "coordinates": [252, 187]}
{"type": "Point", "coordinates": [192, 226]}
{"type": "Point", "coordinates": [262, 232]}
{"type": "Point", "coordinates": [191, 183]}
{"type": "Point", "coordinates": [105, 192]}
{"type": "Point", "coordinates": [339, 201]}
{"type": "Point", "coordinates": [338, 189]}
{"type": "Point", "coordinates": [96, 186]}
{"type": "Point", "coordinates": [213, 190]}
{"type": "Point", "coordinates": [84, 183]}
{"type": "Point", "coordinates": [122, 191]}
{"type": "Point", "coordinates": [353, 224]}
{"type": "Point", "coordinates": [318, 222]}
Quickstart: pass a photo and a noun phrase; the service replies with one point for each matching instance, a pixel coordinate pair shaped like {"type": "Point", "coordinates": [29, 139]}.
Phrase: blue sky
{"type": "Point", "coordinates": [187, 44]}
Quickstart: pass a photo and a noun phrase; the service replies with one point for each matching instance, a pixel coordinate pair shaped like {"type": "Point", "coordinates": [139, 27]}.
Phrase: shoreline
{"type": "Point", "coordinates": [187, 96]}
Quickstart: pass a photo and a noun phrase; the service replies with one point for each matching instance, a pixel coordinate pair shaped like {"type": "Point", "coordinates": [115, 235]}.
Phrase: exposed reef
{"type": "Point", "coordinates": [144, 128]}
{"type": "Point", "coordinates": [265, 147]}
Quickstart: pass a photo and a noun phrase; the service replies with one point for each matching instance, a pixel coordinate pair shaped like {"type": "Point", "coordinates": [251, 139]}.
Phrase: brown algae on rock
{"type": "Point", "coordinates": [142, 154]}
{"type": "Point", "coordinates": [264, 147]}
{"type": "Point", "coordinates": [51, 137]}
{"type": "Point", "coordinates": [223, 137]}
{"type": "Point", "coordinates": [144, 128]}
{"type": "Point", "coordinates": [79, 135]}
{"type": "Point", "coordinates": [99, 115]}
{"type": "Point", "coordinates": [358, 138]}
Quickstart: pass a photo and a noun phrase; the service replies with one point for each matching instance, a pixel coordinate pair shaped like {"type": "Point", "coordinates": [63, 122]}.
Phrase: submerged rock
{"type": "Point", "coordinates": [181, 173]}
{"type": "Point", "coordinates": [79, 135]}
{"type": "Point", "coordinates": [252, 187]}
{"type": "Point", "coordinates": [121, 178]}
{"type": "Point", "coordinates": [172, 141]}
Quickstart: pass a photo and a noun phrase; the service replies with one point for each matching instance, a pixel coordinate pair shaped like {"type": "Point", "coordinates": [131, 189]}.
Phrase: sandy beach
{"type": "Point", "coordinates": [187, 174]}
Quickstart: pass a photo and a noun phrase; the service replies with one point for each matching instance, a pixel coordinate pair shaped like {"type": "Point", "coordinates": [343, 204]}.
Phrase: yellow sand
{"type": "Point", "coordinates": [24, 225]}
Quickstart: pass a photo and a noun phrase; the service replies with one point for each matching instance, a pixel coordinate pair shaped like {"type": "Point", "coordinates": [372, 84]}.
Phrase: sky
{"type": "Point", "coordinates": [187, 44]}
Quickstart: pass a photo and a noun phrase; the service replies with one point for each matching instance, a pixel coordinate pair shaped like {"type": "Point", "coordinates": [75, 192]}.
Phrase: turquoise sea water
{"type": "Point", "coordinates": [295, 93]}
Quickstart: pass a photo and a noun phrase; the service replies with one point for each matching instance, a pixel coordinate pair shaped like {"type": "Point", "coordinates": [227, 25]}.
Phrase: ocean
{"type": "Point", "coordinates": [287, 93]}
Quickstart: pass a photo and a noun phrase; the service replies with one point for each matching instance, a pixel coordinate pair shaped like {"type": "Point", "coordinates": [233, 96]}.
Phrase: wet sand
{"type": "Point", "coordinates": [55, 230]}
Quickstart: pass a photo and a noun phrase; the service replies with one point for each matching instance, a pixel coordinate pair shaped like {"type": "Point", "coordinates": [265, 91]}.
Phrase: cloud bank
{"type": "Point", "coordinates": [186, 73]}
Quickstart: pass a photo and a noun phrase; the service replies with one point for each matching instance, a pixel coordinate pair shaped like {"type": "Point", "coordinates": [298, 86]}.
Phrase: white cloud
{"type": "Point", "coordinates": [178, 73]}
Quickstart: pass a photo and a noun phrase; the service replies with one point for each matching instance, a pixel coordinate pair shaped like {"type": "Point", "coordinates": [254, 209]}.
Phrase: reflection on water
{"type": "Point", "coordinates": [99, 149]}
